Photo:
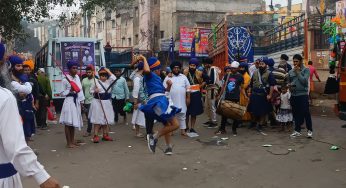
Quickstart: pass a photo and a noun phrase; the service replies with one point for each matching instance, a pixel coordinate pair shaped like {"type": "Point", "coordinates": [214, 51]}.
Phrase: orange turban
{"type": "Point", "coordinates": [30, 63]}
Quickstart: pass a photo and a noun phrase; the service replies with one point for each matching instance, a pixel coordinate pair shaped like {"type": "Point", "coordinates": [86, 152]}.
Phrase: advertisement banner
{"type": "Point", "coordinates": [201, 41]}
{"type": "Point", "coordinates": [82, 52]}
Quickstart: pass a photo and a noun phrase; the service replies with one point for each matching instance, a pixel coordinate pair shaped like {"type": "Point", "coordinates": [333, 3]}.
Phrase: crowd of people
{"type": "Point", "coordinates": [264, 92]}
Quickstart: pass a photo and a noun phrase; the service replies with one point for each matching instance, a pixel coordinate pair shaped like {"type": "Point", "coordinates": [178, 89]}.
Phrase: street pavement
{"type": "Point", "coordinates": [203, 162]}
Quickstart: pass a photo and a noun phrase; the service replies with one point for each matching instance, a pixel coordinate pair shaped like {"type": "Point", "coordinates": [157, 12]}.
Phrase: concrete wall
{"type": "Point", "coordinates": [176, 13]}
{"type": "Point", "coordinates": [218, 5]}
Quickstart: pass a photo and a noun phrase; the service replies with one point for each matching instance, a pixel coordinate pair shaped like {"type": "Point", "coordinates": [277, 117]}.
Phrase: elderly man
{"type": "Point", "coordinates": [179, 94]}
{"type": "Point", "coordinates": [15, 155]}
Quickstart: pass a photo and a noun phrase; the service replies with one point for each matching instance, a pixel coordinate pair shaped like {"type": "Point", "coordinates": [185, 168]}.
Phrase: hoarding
{"type": "Point", "coordinates": [81, 52]}
{"type": "Point", "coordinates": [201, 41]}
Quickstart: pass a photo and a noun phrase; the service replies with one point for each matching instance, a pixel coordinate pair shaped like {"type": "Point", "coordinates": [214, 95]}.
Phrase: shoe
{"type": "Point", "coordinates": [212, 125]}
{"type": "Point", "coordinates": [192, 131]}
{"type": "Point", "coordinates": [220, 132]}
{"type": "Point", "coordinates": [343, 126]}
{"type": "Point", "coordinates": [208, 122]}
{"type": "Point", "coordinates": [309, 134]}
{"type": "Point", "coordinates": [295, 134]}
{"type": "Point", "coordinates": [169, 151]}
{"type": "Point", "coordinates": [234, 133]}
{"type": "Point", "coordinates": [106, 138]}
{"type": "Point", "coordinates": [96, 139]}
{"type": "Point", "coordinates": [151, 143]}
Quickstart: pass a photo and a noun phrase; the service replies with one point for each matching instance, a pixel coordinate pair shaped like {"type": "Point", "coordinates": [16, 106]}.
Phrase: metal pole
{"type": "Point", "coordinates": [289, 7]}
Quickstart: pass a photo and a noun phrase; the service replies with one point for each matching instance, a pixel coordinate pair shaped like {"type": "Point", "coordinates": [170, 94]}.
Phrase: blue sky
{"type": "Point", "coordinates": [283, 2]}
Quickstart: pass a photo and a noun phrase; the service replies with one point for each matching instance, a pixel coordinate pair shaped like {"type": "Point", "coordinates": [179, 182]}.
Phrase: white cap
{"type": "Point", "coordinates": [41, 70]}
{"type": "Point", "coordinates": [234, 64]}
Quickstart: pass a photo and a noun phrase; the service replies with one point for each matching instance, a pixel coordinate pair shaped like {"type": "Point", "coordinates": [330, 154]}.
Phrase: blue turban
{"type": "Point", "coordinates": [2, 51]}
{"type": "Point", "coordinates": [194, 61]}
{"type": "Point", "coordinates": [200, 68]}
{"type": "Point", "coordinates": [140, 66]}
{"type": "Point", "coordinates": [71, 63]}
{"type": "Point", "coordinates": [15, 60]}
{"type": "Point", "coordinates": [154, 63]}
{"type": "Point", "coordinates": [168, 70]}
{"type": "Point", "coordinates": [242, 64]}
{"type": "Point", "coordinates": [264, 59]}
{"type": "Point", "coordinates": [270, 62]}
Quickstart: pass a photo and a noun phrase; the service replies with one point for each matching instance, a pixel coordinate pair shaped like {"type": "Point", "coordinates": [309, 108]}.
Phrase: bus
{"type": "Point", "coordinates": [83, 50]}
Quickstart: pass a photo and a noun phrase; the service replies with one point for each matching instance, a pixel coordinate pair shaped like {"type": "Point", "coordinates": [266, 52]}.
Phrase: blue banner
{"type": "Point", "coordinates": [240, 44]}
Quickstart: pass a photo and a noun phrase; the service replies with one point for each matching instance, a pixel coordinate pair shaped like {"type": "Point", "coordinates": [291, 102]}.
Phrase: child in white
{"type": "Point", "coordinates": [284, 115]}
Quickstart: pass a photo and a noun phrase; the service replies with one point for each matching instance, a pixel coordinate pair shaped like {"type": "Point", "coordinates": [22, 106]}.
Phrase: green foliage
{"type": "Point", "coordinates": [14, 11]}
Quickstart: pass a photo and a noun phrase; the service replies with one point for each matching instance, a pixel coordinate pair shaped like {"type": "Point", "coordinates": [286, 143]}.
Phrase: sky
{"type": "Point", "coordinates": [283, 2]}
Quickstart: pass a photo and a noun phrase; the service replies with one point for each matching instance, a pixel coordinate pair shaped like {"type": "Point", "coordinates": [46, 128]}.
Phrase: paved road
{"type": "Point", "coordinates": [238, 162]}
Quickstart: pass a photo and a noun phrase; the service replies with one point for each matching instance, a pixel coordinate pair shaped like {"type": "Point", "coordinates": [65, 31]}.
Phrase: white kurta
{"type": "Point", "coordinates": [178, 90]}
{"type": "Point", "coordinates": [177, 94]}
{"type": "Point", "coordinates": [138, 117]}
{"type": "Point", "coordinates": [21, 88]}
{"type": "Point", "coordinates": [13, 147]}
{"type": "Point", "coordinates": [96, 114]}
{"type": "Point", "coordinates": [71, 113]}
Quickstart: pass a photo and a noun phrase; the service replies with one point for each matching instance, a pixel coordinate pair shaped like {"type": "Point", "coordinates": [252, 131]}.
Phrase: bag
{"type": "Point", "coordinates": [51, 113]}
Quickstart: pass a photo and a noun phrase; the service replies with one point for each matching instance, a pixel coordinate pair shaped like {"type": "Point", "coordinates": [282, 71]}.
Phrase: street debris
{"type": "Point", "coordinates": [267, 145]}
{"type": "Point", "coordinates": [334, 148]}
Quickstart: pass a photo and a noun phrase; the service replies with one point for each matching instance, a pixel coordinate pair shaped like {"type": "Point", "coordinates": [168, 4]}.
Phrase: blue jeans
{"type": "Point", "coordinates": [301, 112]}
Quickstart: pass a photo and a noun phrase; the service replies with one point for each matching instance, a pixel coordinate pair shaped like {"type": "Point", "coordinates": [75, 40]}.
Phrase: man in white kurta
{"type": "Point", "coordinates": [15, 154]}
{"type": "Point", "coordinates": [179, 93]}
{"type": "Point", "coordinates": [13, 148]}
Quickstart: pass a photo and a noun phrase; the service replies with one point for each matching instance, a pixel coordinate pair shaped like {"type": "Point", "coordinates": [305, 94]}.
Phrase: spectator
{"type": "Point", "coordinates": [312, 84]}
{"type": "Point", "coordinates": [299, 83]}
{"type": "Point", "coordinates": [45, 95]}
{"type": "Point", "coordinates": [284, 63]}
{"type": "Point", "coordinates": [120, 94]}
